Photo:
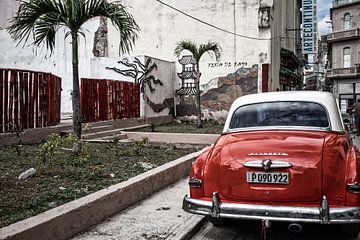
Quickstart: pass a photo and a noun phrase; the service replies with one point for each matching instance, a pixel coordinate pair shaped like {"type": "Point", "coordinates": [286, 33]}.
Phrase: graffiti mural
{"type": "Point", "coordinates": [220, 96]}
{"type": "Point", "coordinates": [140, 72]}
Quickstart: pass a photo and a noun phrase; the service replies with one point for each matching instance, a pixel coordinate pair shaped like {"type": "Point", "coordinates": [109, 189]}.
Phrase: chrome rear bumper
{"type": "Point", "coordinates": [322, 214]}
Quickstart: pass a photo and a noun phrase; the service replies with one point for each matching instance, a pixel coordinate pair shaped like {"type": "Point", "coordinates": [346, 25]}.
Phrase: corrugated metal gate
{"type": "Point", "coordinates": [103, 99]}
{"type": "Point", "coordinates": [28, 99]}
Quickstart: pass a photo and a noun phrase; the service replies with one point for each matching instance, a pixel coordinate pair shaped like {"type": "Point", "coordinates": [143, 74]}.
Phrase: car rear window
{"type": "Point", "coordinates": [280, 114]}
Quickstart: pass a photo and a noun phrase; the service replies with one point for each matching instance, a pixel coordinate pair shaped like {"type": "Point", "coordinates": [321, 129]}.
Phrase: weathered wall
{"type": "Point", "coordinates": [161, 28]}
{"type": "Point", "coordinates": [345, 85]}
{"type": "Point", "coordinates": [156, 78]}
{"type": "Point", "coordinates": [338, 17]}
{"type": "Point", "coordinates": [230, 87]}
{"type": "Point", "coordinates": [7, 9]}
{"type": "Point", "coordinates": [38, 59]}
{"type": "Point", "coordinates": [338, 53]}
{"type": "Point", "coordinates": [160, 100]}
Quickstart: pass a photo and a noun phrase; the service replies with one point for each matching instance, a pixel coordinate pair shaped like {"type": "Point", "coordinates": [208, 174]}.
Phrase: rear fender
{"type": "Point", "coordinates": [353, 175]}
{"type": "Point", "coordinates": [198, 169]}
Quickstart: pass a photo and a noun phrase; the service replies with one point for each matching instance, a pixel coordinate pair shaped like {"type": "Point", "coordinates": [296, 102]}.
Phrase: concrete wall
{"type": "Point", "coordinates": [157, 96]}
{"type": "Point", "coordinates": [38, 59]}
{"type": "Point", "coordinates": [160, 102]}
{"type": "Point", "coordinates": [161, 28]}
{"type": "Point", "coordinates": [7, 10]}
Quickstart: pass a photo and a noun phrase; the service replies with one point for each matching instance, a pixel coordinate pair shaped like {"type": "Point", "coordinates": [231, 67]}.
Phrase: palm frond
{"type": "Point", "coordinates": [186, 45]}
{"type": "Point", "coordinates": [123, 21]}
{"type": "Point", "coordinates": [197, 52]}
{"type": "Point", "coordinates": [38, 19]}
{"type": "Point", "coordinates": [211, 48]}
{"type": "Point", "coordinates": [42, 18]}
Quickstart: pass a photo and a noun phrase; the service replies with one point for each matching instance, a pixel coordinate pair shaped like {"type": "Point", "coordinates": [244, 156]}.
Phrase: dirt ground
{"type": "Point", "coordinates": [62, 177]}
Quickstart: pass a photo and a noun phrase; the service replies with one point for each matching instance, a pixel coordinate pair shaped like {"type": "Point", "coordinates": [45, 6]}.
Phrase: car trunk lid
{"type": "Point", "coordinates": [295, 155]}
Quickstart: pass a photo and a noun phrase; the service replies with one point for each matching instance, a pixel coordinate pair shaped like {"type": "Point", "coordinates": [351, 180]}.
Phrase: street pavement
{"type": "Point", "coordinates": [158, 217]}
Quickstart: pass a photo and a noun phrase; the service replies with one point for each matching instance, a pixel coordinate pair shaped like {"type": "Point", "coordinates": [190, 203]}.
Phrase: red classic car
{"type": "Point", "coordinates": [282, 156]}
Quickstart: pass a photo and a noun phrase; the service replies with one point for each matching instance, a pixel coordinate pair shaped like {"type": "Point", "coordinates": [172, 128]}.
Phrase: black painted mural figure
{"type": "Point", "coordinates": [139, 72]}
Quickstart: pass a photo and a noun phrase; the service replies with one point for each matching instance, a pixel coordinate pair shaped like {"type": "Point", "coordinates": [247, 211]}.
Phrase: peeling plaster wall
{"type": "Point", "coordinates": [152, 104]}
{"type": "Point", "coordinates": [242, 82]}
{"type": "Point", "coordinates": [8, 9]}
{"type": "Point", "coordinates": [161, 101]}
{"type": "Point", "coordinates": [162, 27]}
{"type": "Point", "coordinates": [38, 59]}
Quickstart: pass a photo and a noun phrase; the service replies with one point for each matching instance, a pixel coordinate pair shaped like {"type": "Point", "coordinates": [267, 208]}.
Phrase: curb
{"type": "Point", "coordinates": [67, 220]}
{"type": "Point", "coordinates": [194, 228]}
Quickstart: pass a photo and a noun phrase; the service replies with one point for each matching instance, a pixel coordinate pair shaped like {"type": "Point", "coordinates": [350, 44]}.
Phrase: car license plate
{"type": "Point", "coordinates": [268, 177]}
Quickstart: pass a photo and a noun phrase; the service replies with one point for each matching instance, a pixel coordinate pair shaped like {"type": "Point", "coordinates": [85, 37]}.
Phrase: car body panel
{"type": "Point", "coordinates": [322, 164]}
{"type": "Point", "coordinates": [303, 151]}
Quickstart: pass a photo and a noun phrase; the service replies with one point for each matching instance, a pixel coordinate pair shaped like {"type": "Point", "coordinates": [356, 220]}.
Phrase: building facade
{"type": "Point", "coordinates": [287, 60]}
{"type": "Point", "coordinates": [343, 69]}
{"type": "Point", "coordinates": [260, 41]}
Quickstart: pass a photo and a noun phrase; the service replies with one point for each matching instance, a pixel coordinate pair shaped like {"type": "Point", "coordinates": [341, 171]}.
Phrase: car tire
{"type": "Point", "coordinates": [350, 230]}
{"type": "Point", "coordinates": [216, 221]}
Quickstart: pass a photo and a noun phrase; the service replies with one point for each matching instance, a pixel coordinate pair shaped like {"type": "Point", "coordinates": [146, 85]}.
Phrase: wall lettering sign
{"type": "Point", "coordinates": [226, 64]}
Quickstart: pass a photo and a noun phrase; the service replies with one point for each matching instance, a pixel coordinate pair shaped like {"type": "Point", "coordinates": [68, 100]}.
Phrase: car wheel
{"type": "Point", "coordinates": [216, 221]}
{"type": "Point", "coordinates": [350, 230]}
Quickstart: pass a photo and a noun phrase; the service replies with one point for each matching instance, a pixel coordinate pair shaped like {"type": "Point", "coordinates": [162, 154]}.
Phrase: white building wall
{"type": "Point", "coordinates": [39, 59]}
{"type": "Point", "coordinates": [161, 28]}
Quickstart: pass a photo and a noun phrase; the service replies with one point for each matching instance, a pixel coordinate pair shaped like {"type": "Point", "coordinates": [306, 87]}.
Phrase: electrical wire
{"type": "Point", "coordinates": [211, 25]}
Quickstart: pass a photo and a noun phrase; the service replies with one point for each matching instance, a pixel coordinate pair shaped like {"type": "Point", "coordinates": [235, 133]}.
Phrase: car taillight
{"type": "Point", "coordinates": [195, 183]}
{"type": "Point", "coordinates": [353, 187]}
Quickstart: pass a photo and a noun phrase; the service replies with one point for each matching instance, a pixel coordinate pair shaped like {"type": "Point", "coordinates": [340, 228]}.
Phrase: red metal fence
{"type": "Point", "coordinates": [28, 99]}
{"type": "Point", "coordinates": [103, 99]}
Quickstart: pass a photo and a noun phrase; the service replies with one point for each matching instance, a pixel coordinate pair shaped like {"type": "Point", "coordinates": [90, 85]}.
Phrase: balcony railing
{"type": "Point", "coordinates": [344, 35]}
{"type": "Point", "coordinates": [350, 72]}
{"type": "Point", "coordinates": [338, 3]}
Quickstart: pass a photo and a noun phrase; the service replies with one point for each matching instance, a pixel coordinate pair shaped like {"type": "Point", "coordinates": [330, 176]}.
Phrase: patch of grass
{"type": "Point", "coordinates": [185, 127]}
{"type": "Point", "coordinates": [60, 181]}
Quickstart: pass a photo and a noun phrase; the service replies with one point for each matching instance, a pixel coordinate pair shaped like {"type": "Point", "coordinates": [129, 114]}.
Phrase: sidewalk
{"type": "Point", "coordinates": [158, 217]}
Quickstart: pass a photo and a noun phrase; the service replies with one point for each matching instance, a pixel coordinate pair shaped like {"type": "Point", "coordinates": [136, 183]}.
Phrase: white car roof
{"type": "Point", "coordinates": [326, 99]}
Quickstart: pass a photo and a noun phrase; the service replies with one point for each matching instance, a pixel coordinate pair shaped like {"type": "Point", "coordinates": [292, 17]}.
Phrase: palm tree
{"type": "Point", "coordinates": [41, 19]}
{"type": "Point", "coordinates": [198, 52]}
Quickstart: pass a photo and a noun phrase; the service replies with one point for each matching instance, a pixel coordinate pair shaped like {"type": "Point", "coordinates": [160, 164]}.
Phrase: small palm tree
{"type": "Point", "coordinates": [41, 19]}
{"type": "Point", "coordinates": [198, 52]}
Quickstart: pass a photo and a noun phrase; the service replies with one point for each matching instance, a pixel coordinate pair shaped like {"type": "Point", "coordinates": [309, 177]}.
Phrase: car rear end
{"type": "Point", "coordinates": [281, 161]}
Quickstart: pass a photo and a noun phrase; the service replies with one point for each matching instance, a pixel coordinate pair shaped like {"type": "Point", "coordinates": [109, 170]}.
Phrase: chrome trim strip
{"type": "Point", "coordinates": [276, 213]}
{"type": "Point", "coordinates": [273, 164]}
{"type": "Point", "coordinates": [268, 154]}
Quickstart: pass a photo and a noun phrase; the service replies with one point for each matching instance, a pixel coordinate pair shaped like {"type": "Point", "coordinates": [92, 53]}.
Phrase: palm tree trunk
{"type": "Point", "coordinates": [76, 89]}
{"type": "Point", "coordinates": [199, 124]}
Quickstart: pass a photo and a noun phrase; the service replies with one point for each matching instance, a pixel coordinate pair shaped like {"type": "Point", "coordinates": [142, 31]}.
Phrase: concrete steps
{"type": "Point", "coordinates": [106, 133]}
{"type": "Point", "coordinates": [101, 134]}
